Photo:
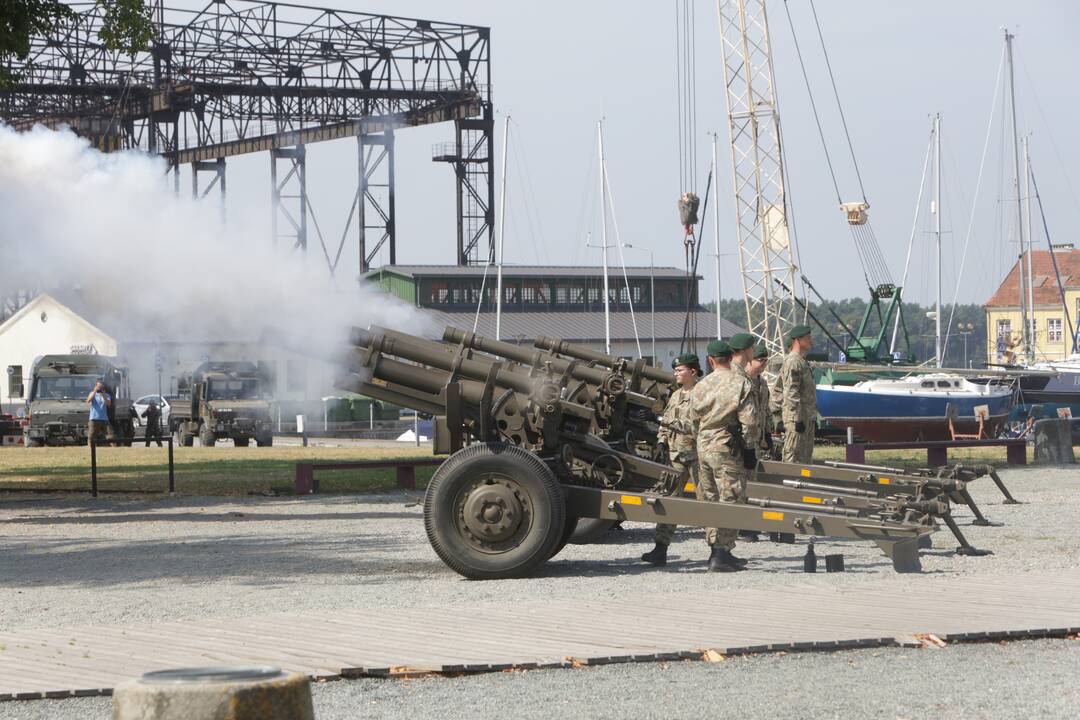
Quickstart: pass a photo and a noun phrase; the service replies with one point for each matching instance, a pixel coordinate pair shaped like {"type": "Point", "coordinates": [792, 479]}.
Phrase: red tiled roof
{"type": "Point", "coordinates": [1044, 284]}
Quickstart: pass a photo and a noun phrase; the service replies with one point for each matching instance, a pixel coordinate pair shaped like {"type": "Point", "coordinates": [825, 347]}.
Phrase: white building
{"type": "Point", "coordinates": [41, 327]}
{"type": "Point", "coordinates": [47, 326]}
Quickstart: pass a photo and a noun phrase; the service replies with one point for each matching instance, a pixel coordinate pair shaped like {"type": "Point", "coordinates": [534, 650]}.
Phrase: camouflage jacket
{"type": "Point", "coordinates": [724, 405]}
{"type": "Point", "coordinates": [676, 426]}
{"type": "Point", "coordinates": [795, 394]}
{"type": "Point", "coordinates": [765, 420]}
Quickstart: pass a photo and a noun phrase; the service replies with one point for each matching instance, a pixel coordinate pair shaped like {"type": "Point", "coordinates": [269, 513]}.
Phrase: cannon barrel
{"type": "Point", "coordinates": [525, 356]}
{"type": "Point", "coordinates": [562, 347]}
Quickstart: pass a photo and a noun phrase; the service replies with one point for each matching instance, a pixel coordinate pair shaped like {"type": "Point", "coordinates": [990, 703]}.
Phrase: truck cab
{"type": "Point", "coordinates": [56, 409]}
{"type": "Point", "coordinates": [228, 401]}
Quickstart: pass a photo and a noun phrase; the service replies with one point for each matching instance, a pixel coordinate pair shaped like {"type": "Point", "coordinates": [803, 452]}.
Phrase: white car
{"type": "Point", "coordinates": [144, 402]}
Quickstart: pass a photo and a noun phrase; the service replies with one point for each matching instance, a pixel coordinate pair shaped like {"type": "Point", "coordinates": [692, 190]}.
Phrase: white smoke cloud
{"type": "Point", "coordinates": [108, 229]}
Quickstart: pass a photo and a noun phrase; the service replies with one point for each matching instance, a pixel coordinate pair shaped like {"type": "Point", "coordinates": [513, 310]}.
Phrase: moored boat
{"type": "Point", "coordinates": [914, 407]}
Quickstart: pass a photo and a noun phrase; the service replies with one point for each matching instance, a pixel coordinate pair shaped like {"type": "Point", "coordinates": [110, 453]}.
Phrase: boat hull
{"type": "Point", "coordinates": [881, 417]}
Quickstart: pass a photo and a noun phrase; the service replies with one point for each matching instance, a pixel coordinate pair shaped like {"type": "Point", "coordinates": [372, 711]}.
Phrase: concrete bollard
{"type": "Point", "coordinates": [1053, 442]}
{"type": "Point", "coordinates": [215, 693]}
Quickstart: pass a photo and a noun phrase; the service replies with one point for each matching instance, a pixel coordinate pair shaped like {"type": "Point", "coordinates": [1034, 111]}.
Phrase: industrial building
{"type": "Point", "coordinates": [648, 306]}
{"type": "Point", "coordinates": [1042, 305]}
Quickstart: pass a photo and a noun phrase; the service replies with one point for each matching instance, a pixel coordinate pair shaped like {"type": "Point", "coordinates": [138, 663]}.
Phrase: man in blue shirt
{"type": "Point", "coordinates": [100, 401]}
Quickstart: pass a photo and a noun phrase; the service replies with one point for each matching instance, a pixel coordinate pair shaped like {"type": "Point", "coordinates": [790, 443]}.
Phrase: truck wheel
{"type": "Point", "coordinates": [494, 511]}
{"type": "Point", "coordinates": [206, 437]}
{"type": "Point", "coordinates": [186, 439]}
{"type": "Point", "coordinates": [589, 530]}
{"type": "Point", "coordinates": [34, 442]}
{"type": "Point", "coordinates": [267, 441]}
{"type": "Point", "coordinates": [241, 442]}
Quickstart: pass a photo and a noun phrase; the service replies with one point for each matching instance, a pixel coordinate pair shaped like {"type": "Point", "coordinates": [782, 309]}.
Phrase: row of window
{"type": "Point", "coordinates": [1054, 330]}
{"type": "Point", "coordinates": [539, 294]}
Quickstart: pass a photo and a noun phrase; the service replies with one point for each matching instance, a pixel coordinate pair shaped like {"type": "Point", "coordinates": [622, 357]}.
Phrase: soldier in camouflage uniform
{"type": "Point", "coordinates": [675, 444]}
{"type": "Point", "coordinates": [756, 371]}
{"type": "Point", "coordinates": [725, 410]}
{"type": "Point", "coordinates": [794, 399]}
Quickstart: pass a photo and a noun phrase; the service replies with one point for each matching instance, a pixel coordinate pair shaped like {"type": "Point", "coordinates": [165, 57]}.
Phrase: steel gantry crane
{"type": "Point", "coordinates": [767, 250]}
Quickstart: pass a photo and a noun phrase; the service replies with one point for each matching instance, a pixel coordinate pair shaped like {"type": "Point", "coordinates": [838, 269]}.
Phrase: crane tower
{"type": "Point", "coordinates": [766, 249]}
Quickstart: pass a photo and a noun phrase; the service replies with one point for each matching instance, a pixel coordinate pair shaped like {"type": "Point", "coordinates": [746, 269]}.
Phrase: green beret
{"type": "Point", "coordinates": [741, 341]}
{"type": "Point", "coordinates": [718, 348]}
{"type": "Point", "coordinates": [686, 359]}
{"type": "Point", "coordinates": [797, 332]}
{"type": "Point", "coordinates": [761, 351]}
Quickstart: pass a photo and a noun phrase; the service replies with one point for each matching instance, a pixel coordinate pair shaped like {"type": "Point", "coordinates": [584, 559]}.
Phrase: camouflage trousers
{"type": "Point", "coordinates": [798, 447]}
{"type": "Point", "coordinates": [665, 532]}
{"type": "Point", "coordinates": [721, 478]}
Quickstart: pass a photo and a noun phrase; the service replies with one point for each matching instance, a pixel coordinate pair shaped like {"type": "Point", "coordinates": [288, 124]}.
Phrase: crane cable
{"type": "Point", "coordinates": [686, 124]}
{"type": "Point", "coordinates": [875, 268]}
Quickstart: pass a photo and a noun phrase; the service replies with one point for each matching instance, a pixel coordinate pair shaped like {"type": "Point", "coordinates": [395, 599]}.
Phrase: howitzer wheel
{"type": "Point", "coordinates": [494, 511]}
{"type": "Point", "coordinates": [589, 530]}
{"type": "Point", "coordinates": [568, 531]}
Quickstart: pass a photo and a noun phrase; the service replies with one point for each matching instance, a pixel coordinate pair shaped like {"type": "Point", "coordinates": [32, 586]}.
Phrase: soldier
{"type": "Point", "coordinates": [152, 415]}
{"type": "Point", "coordinates": [724, 408]}
{"type": "Point", "coordinates": [719, 355]}
{"type": "Point", "coordinates": [756, 371]}
{"type": "Point", "coordinates": [675, 444]}
{"type": "Point", "coordinates": [794, 399]}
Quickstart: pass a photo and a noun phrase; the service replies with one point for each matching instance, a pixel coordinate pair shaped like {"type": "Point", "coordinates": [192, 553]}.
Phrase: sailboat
{"type": "Point", "coordinates": [917, 407]}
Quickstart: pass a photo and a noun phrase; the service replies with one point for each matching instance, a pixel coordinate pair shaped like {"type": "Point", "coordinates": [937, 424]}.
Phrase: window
{"type": "Point", "coordinates": [1053, 330]}
{"type": "Point", "coordinates": [927, 384]}
{"type": "Point", "coordinates": [1004, 328]}
{"type": "Point", "coordinates": [440, 293]}
{"type": "Point", "coordinates": [15, 381]}
{"type": "Point", "coordinates": [944, 384]}
{"type": "Point", "coordinates": [535, 292]}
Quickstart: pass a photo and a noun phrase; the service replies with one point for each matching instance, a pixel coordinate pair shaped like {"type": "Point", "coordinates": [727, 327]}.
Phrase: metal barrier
{"type": "Point", "coordinates": [94, 467]}
{"type": "Point", "coordinates": [305, 482]}
{"type": "Point", "coordinates": [937, 451]}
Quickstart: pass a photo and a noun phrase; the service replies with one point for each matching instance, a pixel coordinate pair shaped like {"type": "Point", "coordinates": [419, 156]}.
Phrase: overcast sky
{"type": "Point", "coordinates": [559, 66]}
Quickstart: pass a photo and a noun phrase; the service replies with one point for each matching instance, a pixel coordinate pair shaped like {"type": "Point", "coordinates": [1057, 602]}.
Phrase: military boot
{"type": "Point", "coordinates": [656, 556]}
{"type": "Point", "coordinates": [718, 561]}
{"type": "Point", "coordinates": [731, 559]}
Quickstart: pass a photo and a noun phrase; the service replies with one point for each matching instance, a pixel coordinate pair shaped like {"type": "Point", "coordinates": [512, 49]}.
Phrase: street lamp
{"type": "Point", "coordinates": [652, 293]}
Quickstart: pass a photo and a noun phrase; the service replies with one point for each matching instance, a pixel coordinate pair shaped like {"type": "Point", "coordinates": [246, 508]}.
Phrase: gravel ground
{"type": "Point", "coordinates": [78, 561]}
{"type": "Point", "coordinates": [1031, 679]}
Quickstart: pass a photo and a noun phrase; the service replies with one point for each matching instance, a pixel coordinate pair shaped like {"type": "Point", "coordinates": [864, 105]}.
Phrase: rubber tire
{"type": "Point", "coordinates": [267, 441]}
{"type": "Point", "coordinates": [589, 530]}
{"type": "Point", "coordinates": [241, 442]}
{"type": "Point", "coordinates": [34, 442]}
{"type": "Point", "coordinates": [206, 439]}
{"type": "Point", "coordinates": [568, 531]}
{"type": "Point", "coordinates": [546, 499]}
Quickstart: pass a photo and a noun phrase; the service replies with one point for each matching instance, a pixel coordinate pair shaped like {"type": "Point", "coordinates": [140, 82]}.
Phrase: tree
{"type": "Point", "coordinates": [126, 27]}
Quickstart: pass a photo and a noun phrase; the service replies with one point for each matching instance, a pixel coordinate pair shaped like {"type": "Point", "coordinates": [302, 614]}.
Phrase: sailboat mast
{"type": "Point", "coordinates": [502, 235]}
{"type": "Point", "coordinates": [716, 231]}
{"type": "Point", "coordinates": [603, 239]}
{"type": "Point", "coordinates": [1027, 204]}
{"type": "Point", "coordinates": [937, 235]}
{"type": "Point", "coordinates": [1019, 202]}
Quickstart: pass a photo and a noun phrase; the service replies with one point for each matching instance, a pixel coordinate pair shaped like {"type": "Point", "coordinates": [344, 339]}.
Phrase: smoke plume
{"type": "Point", "coordinates": [108, 230]}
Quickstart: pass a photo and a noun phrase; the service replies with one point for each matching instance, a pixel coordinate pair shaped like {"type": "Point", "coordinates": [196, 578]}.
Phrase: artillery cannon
{"type": "Point", "coordinates": [537, 441]}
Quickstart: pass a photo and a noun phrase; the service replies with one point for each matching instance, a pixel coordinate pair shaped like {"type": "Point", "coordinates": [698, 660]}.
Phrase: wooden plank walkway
{"type": "Point", "coordinates": [79, 661]}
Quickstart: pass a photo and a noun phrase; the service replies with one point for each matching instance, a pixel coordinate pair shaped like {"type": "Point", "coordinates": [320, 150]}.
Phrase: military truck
{"type": "Point", "coordinates": [228, 401]}
{"type": "Point", "coordinates": [56, 409]}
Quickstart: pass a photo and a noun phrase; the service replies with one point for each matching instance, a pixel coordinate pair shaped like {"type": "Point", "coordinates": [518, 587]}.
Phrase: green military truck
{"type": "Point", "coordinates": [227, 401]}
{"type": "Point", "coordinates": [56, 409]}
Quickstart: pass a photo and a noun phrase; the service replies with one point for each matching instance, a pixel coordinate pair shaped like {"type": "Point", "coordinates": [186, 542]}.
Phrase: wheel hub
{"type": "Point", "coordinates": [492, 511]}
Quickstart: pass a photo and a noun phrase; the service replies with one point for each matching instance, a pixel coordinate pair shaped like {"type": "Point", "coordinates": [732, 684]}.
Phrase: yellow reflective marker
{"type": "Point", "coordinates": [883, 481]}
{"type": "Point", "coordinates": [630, 500]}
{"type": "Point", "coordinates": [689, 487]}
{"type": "Point", "coordinates": [805, 472]}
{"type": "Point", "coordinates": [771, 515]}
{"type": "Point", "coordinates": [811, 499]}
